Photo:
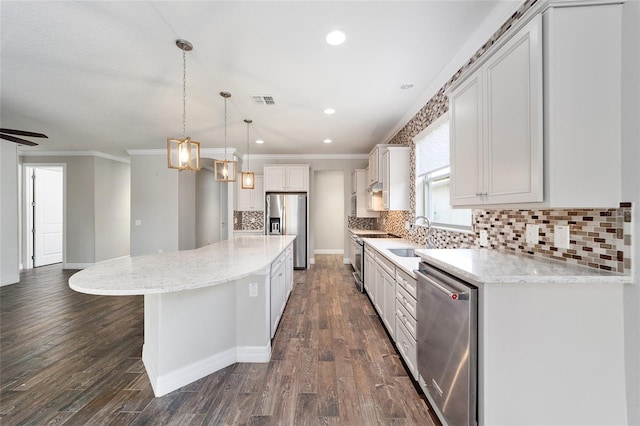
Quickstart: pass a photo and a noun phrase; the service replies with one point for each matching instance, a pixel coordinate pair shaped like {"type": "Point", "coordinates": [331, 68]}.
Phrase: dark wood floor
{"type": "Point", "coordinates": [72, 358]}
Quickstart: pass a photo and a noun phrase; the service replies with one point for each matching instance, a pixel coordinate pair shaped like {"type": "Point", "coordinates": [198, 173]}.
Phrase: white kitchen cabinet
{"type": "Point", "coordinates": [374, 175]}
{"type": "Point", "coordinates": [571, 125]}
{"type": "Point", "coordinates": [386, 293]}
{"type": "Point", "coordinates": [286, 178]}
{"type": "Point", "coordinates": [289, 271]}
{"type": "Point", "coordinates": [496, 126]}
{"type": "Point", "coordinates": [363, 197]}
{"type": "Point", "coordinates": [395, 178]}
{"type": "Point", "coordinates": [278, 291]}
{"type": "Point", "coordinates": [251, 199]}
{"type": "Point", "coordinates": [369, 272]}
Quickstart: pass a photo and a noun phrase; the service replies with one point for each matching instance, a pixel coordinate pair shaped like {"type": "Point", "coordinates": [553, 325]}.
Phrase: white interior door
{"type": "Point", "coordinates": [48, 215]}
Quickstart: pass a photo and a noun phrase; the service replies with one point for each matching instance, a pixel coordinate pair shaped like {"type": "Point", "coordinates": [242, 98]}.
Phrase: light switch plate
{"type": "Point", "coordinates": [533, 233]}
{"type": "Point", "coordinates": [484, 238]}
{"type": "Point", "coordinates": [561, 236]}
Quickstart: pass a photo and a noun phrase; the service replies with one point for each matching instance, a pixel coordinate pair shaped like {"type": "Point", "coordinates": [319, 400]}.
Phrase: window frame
{"type": "Point", "coordinates": [422, 181]}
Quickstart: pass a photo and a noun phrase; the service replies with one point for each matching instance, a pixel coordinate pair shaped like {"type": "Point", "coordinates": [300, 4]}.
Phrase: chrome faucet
{"type": "Point", "coordinates": [430, 244]}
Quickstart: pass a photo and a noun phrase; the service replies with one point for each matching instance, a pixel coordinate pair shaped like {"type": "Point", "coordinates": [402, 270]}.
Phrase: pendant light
{"type": "Point", "coordinates": [248, 177]}
{"type": "Point", "coordinates": [183, 154]}
{"type": "Point", "coordinates": [225, 171]}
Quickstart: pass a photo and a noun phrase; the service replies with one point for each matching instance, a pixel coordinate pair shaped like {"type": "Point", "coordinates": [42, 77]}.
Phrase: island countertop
{"type": "Point", "coordinates": [483, 266]}
{"type": "Point", "coordinates": [217, 263]}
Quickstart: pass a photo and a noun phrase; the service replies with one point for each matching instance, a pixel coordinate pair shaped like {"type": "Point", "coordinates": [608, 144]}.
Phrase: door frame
{"type": "Point", "coordinates": [26, 237]}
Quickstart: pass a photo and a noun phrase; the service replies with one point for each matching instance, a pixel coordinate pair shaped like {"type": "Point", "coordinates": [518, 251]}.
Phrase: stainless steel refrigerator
{"type": "Point", "coordinates": [287, 215]}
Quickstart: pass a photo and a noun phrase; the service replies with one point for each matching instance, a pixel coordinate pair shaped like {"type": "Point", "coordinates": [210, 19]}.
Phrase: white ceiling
{"type": "Point", "coordinates": [107, 76]}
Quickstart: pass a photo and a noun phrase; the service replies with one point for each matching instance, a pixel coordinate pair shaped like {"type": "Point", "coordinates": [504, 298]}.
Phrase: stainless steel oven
{"type": "Point", "coordinates": [358, 261]}
{"type": "Point", "coordinates": [447, 336]}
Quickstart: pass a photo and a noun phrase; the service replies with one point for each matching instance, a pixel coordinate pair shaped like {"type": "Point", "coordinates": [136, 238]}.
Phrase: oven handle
{"type": "Point", "coordinates": [442, 287]}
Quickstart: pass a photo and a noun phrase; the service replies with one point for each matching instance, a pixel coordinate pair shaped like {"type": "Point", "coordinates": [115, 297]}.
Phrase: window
{"type": "Point", "coordinates": [433, 178]}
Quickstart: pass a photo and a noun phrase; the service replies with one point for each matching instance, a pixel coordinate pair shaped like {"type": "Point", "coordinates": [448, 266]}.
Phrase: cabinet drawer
{"type": "Point", "coordinates": [407, 282]}
{"type": "Point", "coordinates": [276, 264]}
{"type": "Point", "coordinates": [406, 300]}
{"type": "Point", "coordinates": [407, 347]}
{"type": "Point", "coordinates": [368, 250]}
{"type": "Point", "coordinates": [406, 319]}
{"type": "Point", "coordinates": [386, 264]}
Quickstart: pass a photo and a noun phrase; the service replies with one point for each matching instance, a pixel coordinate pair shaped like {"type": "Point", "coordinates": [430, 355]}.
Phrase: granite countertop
{"type": "Point", "coordinates": [365, 232]}
{"type": "Point", "coordinates": [484, 266]}
{"type": "Point", "coordinates": [217, 263]}
{"type": "Point", "coordinates": [382, 245]}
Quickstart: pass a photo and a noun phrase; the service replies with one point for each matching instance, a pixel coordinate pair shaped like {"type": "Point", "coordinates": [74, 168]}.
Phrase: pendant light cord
{"type": "Point", "coordinates": [184, 91]}
{"type": "Point", "coordinates": [225, 129]}
{"type": "Point", "coordinates": [248, 164]}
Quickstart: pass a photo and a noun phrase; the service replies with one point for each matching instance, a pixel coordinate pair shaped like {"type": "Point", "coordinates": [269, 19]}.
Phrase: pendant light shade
{"type": "Point", "coordinates": [225, 170]}
{"type": "Point", "coordinates": [183, 154]}
{"type": "Point", "coordinates": [248, 177]}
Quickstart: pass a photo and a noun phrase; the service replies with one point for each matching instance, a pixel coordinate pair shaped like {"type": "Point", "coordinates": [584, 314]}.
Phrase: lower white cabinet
{"type": "Point", "coordinates": [289, 271]}
{"type": "Point", "coordinates": [281, 280]}
{"type": "Point", "coordinates": [393, 293]}
{"type": "Point", "coordinates": [369, 272]}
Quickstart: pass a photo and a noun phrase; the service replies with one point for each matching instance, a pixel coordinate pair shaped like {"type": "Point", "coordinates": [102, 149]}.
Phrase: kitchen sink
{"type": "Point", "coordinates": [404, 252]}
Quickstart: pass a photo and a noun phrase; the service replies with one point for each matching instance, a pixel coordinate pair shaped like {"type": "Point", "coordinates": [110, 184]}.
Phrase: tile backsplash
{"type": "Point", "coordinates": [599, 238]}
{"type": "Point", "coordinates": [248, 220]}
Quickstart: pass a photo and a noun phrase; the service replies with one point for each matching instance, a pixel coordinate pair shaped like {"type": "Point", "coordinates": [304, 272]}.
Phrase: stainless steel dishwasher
{"type": "Point", "coordinates": [447, 334]}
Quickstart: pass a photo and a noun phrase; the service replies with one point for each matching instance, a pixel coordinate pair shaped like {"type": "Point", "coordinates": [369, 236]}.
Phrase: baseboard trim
{"type": "Point", "coordinates": [166, 383]}
{"type": "Point", "coordinates": [328, 251]}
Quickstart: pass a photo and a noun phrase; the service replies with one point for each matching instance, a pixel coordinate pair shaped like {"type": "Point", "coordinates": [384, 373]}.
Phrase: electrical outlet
{"type": "Point", "coordinates": [484, 238]}
{"type": "Point", "coordinates": [533, 232]}
{"type": "Point", "coordinates": [138, 222]}
{"type": "Point", "coordinates": [408, 225]}
{"type": "Point", "coordinates": [253, 289]}
{"type": "Point", "coordinates": [160, 251]}
{"type": "Point", "coordinates": [561, 236]}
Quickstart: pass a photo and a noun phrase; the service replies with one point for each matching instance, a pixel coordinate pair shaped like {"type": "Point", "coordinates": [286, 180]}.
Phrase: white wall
{"type": "Point", "coordinates": [186, 211]}
{"type": "Point", "coordinates": [154, 202]}
{"type": "Point", "coordinates": [112, 209]}
{"type": "Point", "coordinates": [631, 192]}
{"type": "Point", "coordinates": [9, 255]}
{"type": "Point", "coordinates": [327, 208]}
{"type": "Point", "coordinates": [207, 208]}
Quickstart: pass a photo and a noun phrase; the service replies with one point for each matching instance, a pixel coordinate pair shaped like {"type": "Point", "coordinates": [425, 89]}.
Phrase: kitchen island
{"type": "Point", "coordinates": [204, 309]}
{"type": "Point", "coordinates": [550, 337]}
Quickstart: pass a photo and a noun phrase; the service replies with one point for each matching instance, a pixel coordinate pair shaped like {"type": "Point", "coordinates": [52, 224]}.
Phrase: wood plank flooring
{"type": "Point", "coordinates": [71, 358]}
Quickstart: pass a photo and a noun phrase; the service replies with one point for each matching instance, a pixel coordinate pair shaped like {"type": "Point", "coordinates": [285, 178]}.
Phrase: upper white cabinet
{"type": "Point", "coordinates": [496, 126]}
{"type": "Point", "coordinates": [286, 178]}
{"type": "Point", "coordinates": [251, 199]}
{"type": "Point", "coordinates": [537, 122]}
{"type": "Point", "coordinates": [374, 173]}
{"type": "Point", "coordinates": [364, 204]}
{"type": "Point", "coordinates": [582, 105]}
{"type": "Point", "coordinates": [395, 177]}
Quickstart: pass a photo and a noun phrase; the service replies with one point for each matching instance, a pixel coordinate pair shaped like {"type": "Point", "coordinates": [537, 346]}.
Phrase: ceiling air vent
{"type": "Point", "coordinates": [263, 99]}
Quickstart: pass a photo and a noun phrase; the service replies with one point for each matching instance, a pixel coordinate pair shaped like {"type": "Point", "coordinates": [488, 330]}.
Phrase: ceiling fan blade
{"type": "Point", "coordinates": [24, 133]}
{"type": "Point", "coordinates": [17, 140]}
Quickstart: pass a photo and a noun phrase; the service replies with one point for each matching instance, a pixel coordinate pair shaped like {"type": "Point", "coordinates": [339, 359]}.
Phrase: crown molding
{"type": "Point", "coordinates": [307, 156]}
{"type": "Point", "coordinates": [74, 154]}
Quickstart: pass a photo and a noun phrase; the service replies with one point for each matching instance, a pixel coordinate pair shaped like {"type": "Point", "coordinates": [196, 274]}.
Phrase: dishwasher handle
{"type": "Point", "coordinates": [452, 293]}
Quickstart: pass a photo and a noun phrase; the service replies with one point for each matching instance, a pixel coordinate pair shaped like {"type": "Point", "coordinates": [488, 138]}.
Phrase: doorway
{"type": "Point", "coordinates": [44, 214]}
{"type": "Point", "coordinates": [328, 214]}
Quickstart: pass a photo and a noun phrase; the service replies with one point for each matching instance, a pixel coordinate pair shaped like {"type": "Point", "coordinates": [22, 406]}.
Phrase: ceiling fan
{"type": "Point", "coordinates": [6, 134]}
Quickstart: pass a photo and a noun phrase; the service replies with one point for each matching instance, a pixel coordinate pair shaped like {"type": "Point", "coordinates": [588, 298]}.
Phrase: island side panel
{"type": "Point", "coordinates": [193, 333]}
{"type": "Point", "coordinates": [252, 318]}
{"type": "Point", "coordinates": [548, 353]}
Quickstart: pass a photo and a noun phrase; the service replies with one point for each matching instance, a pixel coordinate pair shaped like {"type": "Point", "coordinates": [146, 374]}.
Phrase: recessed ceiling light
{"type": "Point", "coordinates": [406, 86]}
{"type": "Point", "coordinates": [259, 141]}
{"type": "Point", "coordinates": [327, 141]}
{"type": "Point", "coordinates": [329, 111]}
{"type": "Point", "coordinates": [336, 37]}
